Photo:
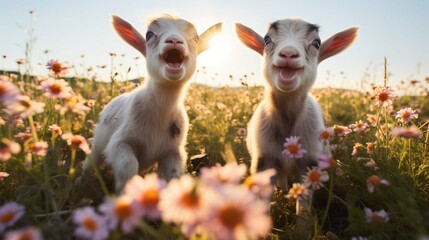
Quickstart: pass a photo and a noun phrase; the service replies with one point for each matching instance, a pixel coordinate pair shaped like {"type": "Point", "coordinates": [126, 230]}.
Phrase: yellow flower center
{"type": "Point", "coordinates": [90, 224]}
{"type": "Point", "coordinates": [6, 217]}
{"type": "Point", "coordinates": [314, 176]}
{"type": "Point", "coordinates": [374, 180]}
{"type": "Point", "coordinates": [383, 96]}
{"type": "Point", "coordinates": [293, 148]}
{"type": "Point", "coordinates": [230, 216]}
{"type": "Point", "coordinates": [150, 198]}
{"type": "Point", "coordinates": [190, 200]}
{"type": "Point", "coordinates": [324, 135]}
{"type": "Point", "coordinates": [249, 182]}
{"type": "Point", "coordinates": [405, 115]}
{"type": "Point", "coordinates": [123, 209]}
{"type": "Point", "coordinates": [56, 68]}
{"type": "Point", "coordinates": [56, 88]}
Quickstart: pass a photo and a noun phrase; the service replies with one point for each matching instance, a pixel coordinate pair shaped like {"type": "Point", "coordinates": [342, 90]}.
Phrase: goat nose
{"type": "Point", "coordinates": [289, 52]}
{"type": "Point", "coordinates": [174, 40]}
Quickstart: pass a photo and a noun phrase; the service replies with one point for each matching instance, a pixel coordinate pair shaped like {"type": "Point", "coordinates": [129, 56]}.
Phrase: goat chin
{"type": "Point", "coordinates": [149, 125]}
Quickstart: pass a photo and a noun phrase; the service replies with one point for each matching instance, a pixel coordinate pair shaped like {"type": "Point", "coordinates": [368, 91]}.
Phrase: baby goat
{"type": "Point", "coordinates": [292, 49]}
{"type": "Point", "coordinates": [149, 125]}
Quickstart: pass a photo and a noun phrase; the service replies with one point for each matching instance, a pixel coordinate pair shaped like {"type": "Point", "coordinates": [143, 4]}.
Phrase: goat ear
{"type": "Point", "coordinates": [129, 34]}
{"type": "Point", "coordinates": [250, 38]}
{"type": "Point", "coordinates": [337, 43]}
{"type": "Point", "coordinates": [205, 37]}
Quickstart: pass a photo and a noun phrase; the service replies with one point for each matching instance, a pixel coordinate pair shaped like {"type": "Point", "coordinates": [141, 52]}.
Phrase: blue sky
{"type": "Point", "coordinates": [388, 28]}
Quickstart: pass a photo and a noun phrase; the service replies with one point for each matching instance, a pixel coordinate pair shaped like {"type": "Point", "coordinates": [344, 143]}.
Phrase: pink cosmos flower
{"type": "Point", "coordinates": [237, 213]}
{"type": "Point", "coordinates": [292, 148]}
{"type": "Point", "coordinates": [39, 148]}
{"type": "Point", "coordinates": [146, 192]}
{"type": "Point", "coordinates": [359, 126]}
{"type": "Point", "coordinates": [121, 211]}
{"type": "Point", "coordinates": [326, 135]}
{"type": "Point", "coordinates": [76, 142]}
{"type": "Point", "coordinates": [25, 107]}
{"type": "Point", "coordinates": [3, 175]}
{"type": "Point", "coordinates": [260, 183]}
{"type": "Point", "coordinates": [10, 213]}
{"type": "Point", "coordinates": [405, 115]}
{"type": "Point", "coordinates": [28, 233]}
{"type": "Point", "coordinates": [186, 203]}
{"type": "Point", "coordinates": [298, 191]}
{"type": "Point", "coordinates": [376, 216]}
{"type": "Point", "coordinates": [57, 67]}
{"type": "Point", "coordinates": [55, 88]}
{"type": "Point", "coordinates": [90, 225]}
{"type": "Point", "coordinates": [325, 161]}
{"type": "Point", "coordinates": [341, 131]}
{"type": "Point", "coordinates": [315, 178]}
{"type": "Point", "coordinates": [8, 91]}
{"type": "Point", "coordinates": [231, 173]}
{"type": "Point", "coordinates": [411, 132]}
{"type": "Point", "coordinates": [373, 181]}
{"type": "Point", "coordinates": [384, 96]}
{"type": "Point", "coordinates": [8, 148]}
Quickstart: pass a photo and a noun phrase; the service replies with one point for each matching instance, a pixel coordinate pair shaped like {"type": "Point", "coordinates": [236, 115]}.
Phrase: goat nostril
{"type": "Point", "coordinates": [174, 41]}
{"type": "Point", "coordinates": [289, 53]}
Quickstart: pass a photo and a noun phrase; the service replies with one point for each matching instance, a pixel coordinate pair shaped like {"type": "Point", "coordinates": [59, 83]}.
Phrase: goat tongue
{"type": "Point", "coordinates": [288, 74]}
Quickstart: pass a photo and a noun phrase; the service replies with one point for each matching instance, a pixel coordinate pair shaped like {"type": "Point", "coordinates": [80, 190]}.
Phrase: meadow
{"type": "Point", "coordinates": [378, 185]}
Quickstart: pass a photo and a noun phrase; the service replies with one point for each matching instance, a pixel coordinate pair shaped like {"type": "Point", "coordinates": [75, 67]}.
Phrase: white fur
{"type": "Point", "coordinates": [149, 125]}
{"type": "Point", "coordinates": [289, 67]}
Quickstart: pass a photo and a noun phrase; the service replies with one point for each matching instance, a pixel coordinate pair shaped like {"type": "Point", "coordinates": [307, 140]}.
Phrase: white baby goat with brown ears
{"type": "Point", "coordinates": [291, 51]}
{"type": "Point", "coordinates": [149, 125]}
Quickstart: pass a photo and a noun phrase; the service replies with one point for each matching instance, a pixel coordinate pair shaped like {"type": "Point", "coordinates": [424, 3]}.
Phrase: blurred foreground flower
{"type": "Point", "coordinates": [39, 148]}
{"type": "Point", "coordinates": [90, 225]}
{"type": "Point", "coordinates": [8, 148]}
{"type": "Point", "coordinates": [8, 91]}
{"type": "Point", "coordinates": [411, 132]}
{"type": "Point", "coordinates": [121, 211]}
{"type": "Point", "coordinates": [3, 175]}
{"type": "Point", "coordinates": [25, 107]}
{"type": "Point", "coordinates": [375, 181]}
{"type": "Point", "coordinates": [10, 212]}
{"type": "Point", "coordinates": [260, 183]}
{"type": "Point", "coordinates": [217, 175]}
{"type": "Point", "coordinates": [28, 233]}
{"type": "Point", "coordinates": [325, 161]}
{"type": "Point", "coordinates": [76, 142]}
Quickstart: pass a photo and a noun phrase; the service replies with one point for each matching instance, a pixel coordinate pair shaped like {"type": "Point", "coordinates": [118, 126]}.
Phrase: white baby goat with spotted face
{"type": "Point", "coordinates": [291, 52]}
{"type": "Point", "coordinates": [149, 125]}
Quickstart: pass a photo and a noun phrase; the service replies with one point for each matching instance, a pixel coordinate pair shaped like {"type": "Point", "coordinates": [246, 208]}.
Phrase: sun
{"type": "Point", "coordinates": [219, 48]}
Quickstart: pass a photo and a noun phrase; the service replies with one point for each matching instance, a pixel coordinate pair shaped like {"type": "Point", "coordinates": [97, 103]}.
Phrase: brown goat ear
{"type": "Point", "coordinates": [206, 37]}
{"type": "Point", "coordinates": [250, 38]}
{"type": "Point", "coordinates": [129, 34]}
{"type": "Point", "coordinates": [337, 43]}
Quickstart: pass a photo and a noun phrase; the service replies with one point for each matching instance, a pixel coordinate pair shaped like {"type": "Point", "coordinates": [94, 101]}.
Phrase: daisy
{"type": "Point", "coordinates": [8, 148]}
{"type": "Point", "coordinates": [55, 88]}
{"type": "Point", "coordinates": [260, 183]}
{"type": "Point", "coordinates": [76, 142]}
{"type": "Point", "coordinates": [384, 96]}
{"type": "Point", "coordinates": [25, 107]}
{"type": "Point", "coordinates": [146, 192]}
{"type": "Point", "coordinates": [341, 131]}
{"type": "Point", "coordinates": [10, 213]}
{"type": "Point", "coordinates": [90, 225]}
{"type": "Point", "coordinates": [325, 161]}
{"type": "Point", "coordinates": [405, 115]}
{"type": "Point", "coordinates": [370, 147]}
{"type": "Point", "coordinates": [359, 126]}
{"type": "Point", "coordinates": [23, 136]}
{"type": "Point", "coordinates": [238, 214]}
{"type": "Point", "coordinates": [218, 175]}
{"type": "Point", "coordinates": [356, 148]}
{"type": "Point", "coordinates": [373, 181]}
{"type": "Point", "coordinates": [315, 178]}
{"type": "Point", "coordinates": [183, 202]}
{"type": "Point", "coordinates": [122, 211]}
{"type": "Point", "coordinates": [39, 148]}
{"type": "Point", "coordinates": [55, 129]}
{"type": "Point", "coordinates": [298, 191]}
{"type": "Point", "coordinates": [57, 67]}
{"type": "Point", "coordinates": [73, 105]}
{"type": "Point", "coordinates": [28, 233]}
{"type": "Point", "coordinates": [411, 132]}
{"type": "Point", "coordinates": [326, 134]}
{"type": "Point", "coordinates": [292, 148]}
{"type": "Point", "coordinates": [372, 164]}
{"type": "Point", "coordinates": [376, 216]}
{"type": "Point", "coordinates": [8, 91]}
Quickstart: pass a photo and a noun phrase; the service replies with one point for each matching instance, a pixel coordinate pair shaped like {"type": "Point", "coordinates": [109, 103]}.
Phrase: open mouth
{"type": "Point", "coordinates": [173, 58]}
{"type": "Point", "coordinates": [287, 74]}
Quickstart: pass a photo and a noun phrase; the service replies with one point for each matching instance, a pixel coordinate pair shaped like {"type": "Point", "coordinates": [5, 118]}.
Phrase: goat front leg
{"type": "Point", "coordinates": [121, 157]}
{"type": "Point", "coordinates": [172, 164]}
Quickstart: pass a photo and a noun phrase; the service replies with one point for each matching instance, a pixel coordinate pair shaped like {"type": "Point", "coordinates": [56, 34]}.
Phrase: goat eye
{"type": "Point", "coordinates": [316, 43]}
{"type": "Point", "coordinates": [149, 35]}
{"type": "Point", "coordinates": [267, 40]}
